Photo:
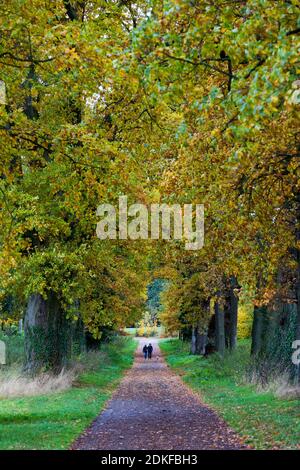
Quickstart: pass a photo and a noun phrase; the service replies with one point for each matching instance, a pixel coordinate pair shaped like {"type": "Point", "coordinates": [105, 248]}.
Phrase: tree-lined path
{"type": "Point", "coordinates": [152, 409]}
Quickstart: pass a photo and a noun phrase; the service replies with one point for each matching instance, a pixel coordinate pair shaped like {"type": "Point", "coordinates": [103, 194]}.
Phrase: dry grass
{"type": "Point", "coordinates": [277, 383]}
{"type": "Point", "coordinates": [288, 391]}
{"type": "Point", "coordinates": [14, 384]}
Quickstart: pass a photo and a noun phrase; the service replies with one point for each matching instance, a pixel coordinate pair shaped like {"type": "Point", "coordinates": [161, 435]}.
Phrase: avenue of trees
{"type": "Point", "coordinates": [165, 101]}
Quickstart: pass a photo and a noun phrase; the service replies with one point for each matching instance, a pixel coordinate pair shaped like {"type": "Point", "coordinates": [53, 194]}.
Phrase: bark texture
{"type": "Point", "coordinates": [47, 335]}
{"type": "Point", "coordinates": [219, 329]}
{"type": "Point", "coordinates": [231, 314]}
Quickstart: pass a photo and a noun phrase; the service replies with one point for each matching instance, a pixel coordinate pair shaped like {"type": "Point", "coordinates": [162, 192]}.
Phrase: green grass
{"type": "Point", "coordinates": [54, 421]}
{"type": "Point", "coordinates": [264, 420]}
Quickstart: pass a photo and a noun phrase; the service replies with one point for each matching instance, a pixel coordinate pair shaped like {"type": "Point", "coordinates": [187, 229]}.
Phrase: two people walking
{"type": "Point", "coordinates": [147, 351]}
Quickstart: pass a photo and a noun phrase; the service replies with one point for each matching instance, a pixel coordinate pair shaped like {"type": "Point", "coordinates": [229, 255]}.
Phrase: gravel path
{"type": "Point", "coordinates": [152, 409]}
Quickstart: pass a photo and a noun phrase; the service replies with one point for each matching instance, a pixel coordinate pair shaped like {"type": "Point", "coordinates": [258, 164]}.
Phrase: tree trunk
{"type": "Point", "coordinates": [47, 338]}
{"type": "Point", "coordinates": [231, 315]}
{"type": "Point", "coordinates": [201, 342]}
{"type": "Point", "coordinates": [78, 336]}
{"type": "Point", "coordinates": [194, 339]}
{"type": "Point", "coordinates": [219, 329]}
{"type": "Point", "coordinates": [297, 371]}
{"type": "Point", "coordinates": [297, 286]}
{"type": "Point", "coordinates": [199, 334]}
{"type": "Point", "coordinates": [257, 330]}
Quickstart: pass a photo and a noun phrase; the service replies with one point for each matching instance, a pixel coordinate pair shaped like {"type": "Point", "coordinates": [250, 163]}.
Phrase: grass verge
{"type": "Point", "coordinates": [53, 421]}
{"type": "Point", "coordinates": [264, 421]}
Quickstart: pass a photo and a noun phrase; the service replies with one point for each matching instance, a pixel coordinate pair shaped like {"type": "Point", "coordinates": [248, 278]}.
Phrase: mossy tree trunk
{"type": "Point", "coordinates": [297, 284]}
{"type": "Point", "coordinates": [200, 329]}
{"type": "Point", "coordinates": [231, 314]}
{"type": "Point", "coordinates": [201, 343]}
{"type": "Point", "coordinates": [47, 335]}
{"type": "Point", "coordinates": [257, 330]}
{"type": "Point", "coordinates": [219, 329]}
{"type": "Point", "coordinates": [193, 340]}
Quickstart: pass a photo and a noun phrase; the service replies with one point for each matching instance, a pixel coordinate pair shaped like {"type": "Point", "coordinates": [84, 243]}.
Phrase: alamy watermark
{"type": "Point", "coordinates": [296, 353]}
{"type": "Point", "coordinates": [2, 92]}
{"type": "Point", "coordinates": [2, 353]}
{"type": "Point", "coordinates": [158, 221]}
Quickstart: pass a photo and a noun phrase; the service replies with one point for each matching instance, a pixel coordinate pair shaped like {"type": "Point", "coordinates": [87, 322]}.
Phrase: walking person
{"type": "Point", "coordinates": [145, 351]}
{"type": "Point", "coordinates": [150, 350]}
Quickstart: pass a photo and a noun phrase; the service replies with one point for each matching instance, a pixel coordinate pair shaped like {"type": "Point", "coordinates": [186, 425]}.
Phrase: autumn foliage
{"type": "Point", "coordinates": [176, 102]}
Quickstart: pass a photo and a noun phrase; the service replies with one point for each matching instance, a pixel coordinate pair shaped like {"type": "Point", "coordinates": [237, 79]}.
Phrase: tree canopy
{"type": "Point", "coordinates": [165, 101]}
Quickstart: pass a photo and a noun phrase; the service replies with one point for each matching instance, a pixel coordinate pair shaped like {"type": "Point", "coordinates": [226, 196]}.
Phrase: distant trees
{"type": "Point", "coordinates": [153, 304]}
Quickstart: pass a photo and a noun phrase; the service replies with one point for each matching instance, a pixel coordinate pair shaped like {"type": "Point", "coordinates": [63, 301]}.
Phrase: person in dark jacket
{"type": "Point", "coordinates": [150, 350]}
{"type": "Point", "coordinates": [145, 351]}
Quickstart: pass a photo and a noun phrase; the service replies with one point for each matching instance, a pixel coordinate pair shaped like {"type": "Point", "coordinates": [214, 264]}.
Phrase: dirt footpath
{"type": "Point", "coordinates": [152, 409]}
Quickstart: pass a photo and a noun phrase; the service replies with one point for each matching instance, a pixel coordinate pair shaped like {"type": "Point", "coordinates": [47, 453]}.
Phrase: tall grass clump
{"type": "Point", "coordinates": [115, 355]}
